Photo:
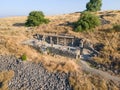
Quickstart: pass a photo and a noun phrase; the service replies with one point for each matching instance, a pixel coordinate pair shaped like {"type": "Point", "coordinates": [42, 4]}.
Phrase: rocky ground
{"type": "Point", "coordinates": [32, 76]}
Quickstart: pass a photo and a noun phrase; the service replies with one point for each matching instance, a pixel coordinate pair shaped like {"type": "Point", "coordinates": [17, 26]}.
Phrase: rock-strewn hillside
{"type": "Point", "coordinates": [32, 76]}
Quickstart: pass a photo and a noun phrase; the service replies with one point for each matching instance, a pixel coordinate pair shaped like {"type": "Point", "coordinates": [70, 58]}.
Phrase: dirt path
{"type": "Point", "coordinates": [105, 75]}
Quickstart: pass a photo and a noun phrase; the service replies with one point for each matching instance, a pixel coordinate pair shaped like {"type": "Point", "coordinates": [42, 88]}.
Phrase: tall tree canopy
{"type": "Point", "coordinates": [94, 5]}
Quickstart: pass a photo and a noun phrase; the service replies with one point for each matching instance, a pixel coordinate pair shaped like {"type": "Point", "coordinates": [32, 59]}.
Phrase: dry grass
{"type": "Point", "coordinates": [101, 84]}
{"type": "Point", "coordinates": [89, 81]}
{"type": "Point", "coordinates": [80, 82]}
{"type": "Point", "coordinates": [58, 63]}
{"type": "Point", "coordinates": [5, 76]}
{"type": "Point", "coordinates": [12, 45]}
{"type": "Point", "coordinates": [12, 32]}
{"type": "Point", "coordinates": [111, 49]}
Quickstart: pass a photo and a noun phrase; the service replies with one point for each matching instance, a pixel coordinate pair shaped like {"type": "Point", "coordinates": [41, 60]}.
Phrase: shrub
{"type": "Point", "coordinates": [24, 57]}
{"type": "Point", "coordinates": [36, 18]}
{"type": "Point", "coordinates": [87, 21]}
{"type": "Point", "coordinates": [94, 5]}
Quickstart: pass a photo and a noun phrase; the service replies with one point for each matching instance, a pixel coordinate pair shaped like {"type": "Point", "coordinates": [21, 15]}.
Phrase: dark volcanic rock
{"type": "Point", "coordinates": [32, 76]}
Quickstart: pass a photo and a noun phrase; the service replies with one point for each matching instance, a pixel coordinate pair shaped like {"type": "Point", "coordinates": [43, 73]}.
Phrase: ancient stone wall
{"type": "Point", "coordinates": [65, 53]}
{"type": "Point", "coordinates": [65, 40]}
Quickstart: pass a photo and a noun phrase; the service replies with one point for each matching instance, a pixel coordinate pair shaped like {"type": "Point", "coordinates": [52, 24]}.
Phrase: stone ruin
{"type": "Point", "coordinates": [58, 39]}
{"type": "Point", "coordinates": [64, 45]}
{"type": "Point", "coordinates": [60, 44]}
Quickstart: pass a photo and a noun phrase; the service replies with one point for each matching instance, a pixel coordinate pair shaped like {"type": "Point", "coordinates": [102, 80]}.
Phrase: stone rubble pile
{"type": "Point", "coordinates": [32, 76]}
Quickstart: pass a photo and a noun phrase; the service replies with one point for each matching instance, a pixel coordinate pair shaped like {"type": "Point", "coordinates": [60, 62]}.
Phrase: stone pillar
{"type": "Point", "coordinates": [57, 40]}
{"type": "Point", "coordinates": [77, 54]}
{"type": "Point", "coordinates": [65, 42]}
{"type": "Point", "coordinates": [43, 38]}
{"type": "Point", "coordinates": [51, 41]}
{"type": "Point", "coordinates": [72, 41]}
{"type": "Point", "coordinates": [37, 36]}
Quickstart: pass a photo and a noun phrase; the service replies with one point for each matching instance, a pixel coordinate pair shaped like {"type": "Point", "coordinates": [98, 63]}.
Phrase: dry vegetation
{"type": "Point", "coordinates": [5, 76]}
{"type": "Point", "coordinates": [13, 32]}
{"type": "Point", "coordinates": [59, 64]}
{"type": "Point", "coordinates": [88, 82]}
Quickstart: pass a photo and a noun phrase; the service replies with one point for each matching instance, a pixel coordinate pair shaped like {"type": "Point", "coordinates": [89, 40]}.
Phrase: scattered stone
{"type": "Point", "coordinates": [32, 76]}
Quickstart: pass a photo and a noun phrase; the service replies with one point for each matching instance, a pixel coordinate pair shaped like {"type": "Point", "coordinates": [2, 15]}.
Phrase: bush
{"type": "Point", "coordinates": [87, 21]}
{"type": "Point", "coordinates": [24, 57]}
{"type": "Point", "coordinates": [36, 18]}
{"type": "Point", "coordinates": [94, 5]}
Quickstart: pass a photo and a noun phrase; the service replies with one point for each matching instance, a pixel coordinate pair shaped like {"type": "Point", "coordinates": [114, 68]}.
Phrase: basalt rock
{"type": "Point", "coordinates": [32, 76]}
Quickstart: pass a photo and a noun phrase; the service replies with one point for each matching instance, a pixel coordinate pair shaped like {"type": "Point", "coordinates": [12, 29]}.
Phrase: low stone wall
{"type": "Point", "coordinates": [65, 53]}
{"type": "Point", "coordinates": [70, 52]}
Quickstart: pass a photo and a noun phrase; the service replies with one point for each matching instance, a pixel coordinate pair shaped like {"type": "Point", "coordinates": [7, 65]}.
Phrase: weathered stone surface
{"type": "Point", "coordinates": [32, 76]}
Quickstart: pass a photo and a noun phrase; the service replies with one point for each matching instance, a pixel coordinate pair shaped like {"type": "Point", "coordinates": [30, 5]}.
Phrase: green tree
{"type": "Point", "coordinates": [87, 21]}
{"type": "Point", "coordinates": [94, 5]}
{"type": "Point", "coordinates": [36, 18]}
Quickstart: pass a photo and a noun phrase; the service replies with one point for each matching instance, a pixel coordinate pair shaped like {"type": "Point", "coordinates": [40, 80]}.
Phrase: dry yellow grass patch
{"type": "Point", "coordinates": [5, 76]}
{"type": "Point", "coordinates": [58, 63]}
{"type": "Point", "coordinates": [101, 84]}
{"type": "Point", "coordinates": [12, 45]}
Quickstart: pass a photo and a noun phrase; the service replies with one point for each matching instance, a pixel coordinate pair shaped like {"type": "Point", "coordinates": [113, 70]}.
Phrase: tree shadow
{"type": "Point", "coordinates": [19, 24]}
{"type": "Point", "coordinates": [1, 84]}
{"type": "Point", "coordinates": [71, 24]}
{"type": "Point", "coordinates": [108, 30]}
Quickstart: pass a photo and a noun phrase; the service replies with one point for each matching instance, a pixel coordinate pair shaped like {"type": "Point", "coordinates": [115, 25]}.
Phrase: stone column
{"type": "Point", "coordinates": [72, 41]}
{"type": "Point", "coordinates": [65, 42]}
{"type": "Point", "coordinates": [57, 40]}
{"type": "Point", "coordinates": [51, 41]}
{"type": "Point", "coordinates": [43, 38]}
{"type": "Point", "coordinates": [37, 36]}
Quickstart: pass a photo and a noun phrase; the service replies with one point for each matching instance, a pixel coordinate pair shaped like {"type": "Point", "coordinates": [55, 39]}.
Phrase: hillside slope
{"type": "Point", "coordinates": [13, 32]}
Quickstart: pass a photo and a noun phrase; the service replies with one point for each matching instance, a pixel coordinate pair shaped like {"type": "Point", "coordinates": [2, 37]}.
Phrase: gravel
{"type": "Point", "coordinates": [32, 76]}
